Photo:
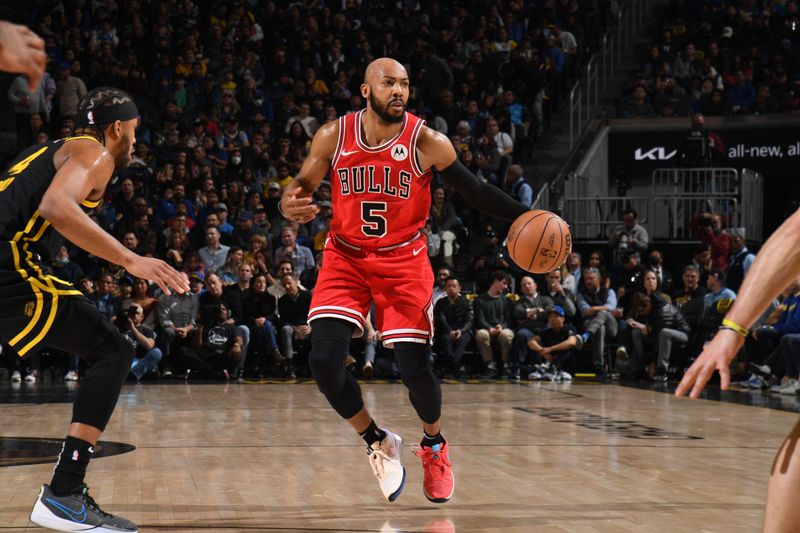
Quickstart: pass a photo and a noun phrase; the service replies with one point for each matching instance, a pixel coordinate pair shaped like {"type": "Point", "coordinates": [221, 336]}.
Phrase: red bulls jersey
{"type": "Point", "coordinates": [380, 195]}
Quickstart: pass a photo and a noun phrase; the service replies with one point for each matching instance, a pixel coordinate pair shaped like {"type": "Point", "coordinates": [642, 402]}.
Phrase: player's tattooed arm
{"type": "Point", "coordinates": [296, 200]}
{"type": "Point", "coordinates": [435, 150]}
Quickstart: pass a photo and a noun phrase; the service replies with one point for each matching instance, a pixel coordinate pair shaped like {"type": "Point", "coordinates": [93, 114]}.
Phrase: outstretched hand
{"type": "Point", "coordinates": [22, 51]}
{"type": "Point", "coordinates": [159, 273]}
{"type": "Point", "coordinates": [298, 209]}
{"type": "Point", "coordinates": [716, 356]}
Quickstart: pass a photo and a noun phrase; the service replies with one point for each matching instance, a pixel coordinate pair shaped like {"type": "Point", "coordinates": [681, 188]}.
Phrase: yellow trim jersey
{"type": "Point", "coordinates": [31, 238]}
{"type": "Point", "coordinates": [31, 298]}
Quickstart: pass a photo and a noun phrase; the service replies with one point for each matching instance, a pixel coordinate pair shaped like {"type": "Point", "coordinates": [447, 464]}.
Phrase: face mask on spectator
{"type": "Point", "coordinates": [236, 159]}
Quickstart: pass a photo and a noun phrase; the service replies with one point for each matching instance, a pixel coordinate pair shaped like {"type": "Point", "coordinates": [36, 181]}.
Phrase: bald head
{"type": "Point", "coordinates": [384, 66]}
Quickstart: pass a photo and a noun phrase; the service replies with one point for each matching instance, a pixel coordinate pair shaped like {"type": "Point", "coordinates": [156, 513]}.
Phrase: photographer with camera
{"type": "Point", "coordinates": [708, 229]}
{"type": "Point", "coordinates": [217, 346]}
{"type": "Point", "coordinates": [701, 148]}
{"type": "Point", "coordinates": [629, 236]}
{"type": "Point", "coordinates": [143, 339]}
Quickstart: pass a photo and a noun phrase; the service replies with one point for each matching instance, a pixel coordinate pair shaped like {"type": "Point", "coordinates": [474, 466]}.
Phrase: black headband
{"type": "Point", "coordinates": [106, 115]}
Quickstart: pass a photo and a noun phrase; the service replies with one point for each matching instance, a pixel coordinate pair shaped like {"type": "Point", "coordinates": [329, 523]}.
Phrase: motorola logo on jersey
{"type": "Point", "coordinates": [399, 152]}
{"type": "Point", "coordinates": [368, 179]}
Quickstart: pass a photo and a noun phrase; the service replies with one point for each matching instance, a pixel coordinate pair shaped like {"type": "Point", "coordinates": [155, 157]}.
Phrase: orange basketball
{"type": "Point", "coordinates": [539, 241]}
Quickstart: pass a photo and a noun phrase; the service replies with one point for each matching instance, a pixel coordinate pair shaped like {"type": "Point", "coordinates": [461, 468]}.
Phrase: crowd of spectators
{"type": "Point", "coordinates": [634, 318]}
{"type": "Point", "coordinates": [230, 101]}
{"type": "Point", "coordinates": [719, 58]}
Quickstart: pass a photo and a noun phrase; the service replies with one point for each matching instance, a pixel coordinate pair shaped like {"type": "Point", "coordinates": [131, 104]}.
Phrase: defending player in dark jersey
{"type": "Point", "coordinates": [381, 160]}
{"type": "Point", "coordinates": [43, 198]}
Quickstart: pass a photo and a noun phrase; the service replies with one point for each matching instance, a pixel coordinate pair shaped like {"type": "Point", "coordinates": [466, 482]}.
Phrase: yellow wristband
{"type": "Point", "coordinates": [729, 324]}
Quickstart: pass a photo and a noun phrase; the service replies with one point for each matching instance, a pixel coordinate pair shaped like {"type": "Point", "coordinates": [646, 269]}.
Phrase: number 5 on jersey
{"type": "Point", "coordinates": [374, 223]}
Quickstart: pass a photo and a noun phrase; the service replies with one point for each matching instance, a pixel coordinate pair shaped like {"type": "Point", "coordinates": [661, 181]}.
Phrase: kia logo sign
{"type": "Point", "coordinates": [658, 153]}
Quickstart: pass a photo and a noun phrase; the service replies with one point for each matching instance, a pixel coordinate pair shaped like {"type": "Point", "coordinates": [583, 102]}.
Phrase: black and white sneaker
{"type": "Point", "coordinates": [76, 512]}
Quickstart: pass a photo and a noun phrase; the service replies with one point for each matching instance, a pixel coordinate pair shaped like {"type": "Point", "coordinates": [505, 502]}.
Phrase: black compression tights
{"type": "Point", "coordinates": [330, 342]}
{"type": "Point", "coordinates": [423, 387]}
{"type": "Point", "coordinates": [82, 331]}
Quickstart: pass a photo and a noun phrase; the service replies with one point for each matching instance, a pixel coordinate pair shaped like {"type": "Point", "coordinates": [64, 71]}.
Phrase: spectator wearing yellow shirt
{"type": "Point", "coordinates": [283, 178]}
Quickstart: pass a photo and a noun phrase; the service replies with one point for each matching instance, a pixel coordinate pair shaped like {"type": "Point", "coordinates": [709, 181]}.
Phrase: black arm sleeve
{"type": "Point", "coordinates": [482, 196]}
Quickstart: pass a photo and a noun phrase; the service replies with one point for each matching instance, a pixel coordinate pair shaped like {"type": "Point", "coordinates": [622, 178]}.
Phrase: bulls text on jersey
{"type": "Point", "coordinates": [367, 179]}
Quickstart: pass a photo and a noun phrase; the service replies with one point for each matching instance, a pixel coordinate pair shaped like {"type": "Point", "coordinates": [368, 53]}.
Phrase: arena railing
{"type": "Point", "coordinates": [584, 95]}
{"type": "Point", "coordinates": [676, 196]}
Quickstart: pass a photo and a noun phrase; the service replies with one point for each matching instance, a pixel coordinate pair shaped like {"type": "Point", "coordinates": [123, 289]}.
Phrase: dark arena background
{"type": "Point", "coordinates": [665, 133]}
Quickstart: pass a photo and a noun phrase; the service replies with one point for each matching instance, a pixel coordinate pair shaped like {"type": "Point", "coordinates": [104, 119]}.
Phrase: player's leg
{"type": "Point", "coordinates": [423, 387]}
{"type": "Point", "coordinates": [339, 306]}
{"type": "Point", "coordinates": [80, 329]}
{"type": "Point", "coordinates": [425, 394]}
{"type": "Point", "coordinates": [402, 295]}
{"type": "Point", "coordinates": [782, 512]}
{"type": "Point", "coordinates": [330, 344]}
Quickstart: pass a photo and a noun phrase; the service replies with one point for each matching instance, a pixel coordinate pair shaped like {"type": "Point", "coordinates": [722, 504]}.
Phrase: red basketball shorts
{"type": "Point", "coordinates": [399, 281]}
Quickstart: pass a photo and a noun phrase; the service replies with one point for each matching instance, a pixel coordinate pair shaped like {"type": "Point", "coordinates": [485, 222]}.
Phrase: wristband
{"type": "Point", "coordinates": [280, 211]}
{"type": "Point", "coordinates": [733, 326]}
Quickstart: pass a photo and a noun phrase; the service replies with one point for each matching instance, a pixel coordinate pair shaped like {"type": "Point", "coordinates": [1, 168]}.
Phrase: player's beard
{"type": "Point", "coordinates": [123, 157]}
{"type": "Point", "coordinates": [383, 110]}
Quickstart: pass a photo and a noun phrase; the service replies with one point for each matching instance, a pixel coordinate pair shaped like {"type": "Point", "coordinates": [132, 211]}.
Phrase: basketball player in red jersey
{"type": "Point", "coordinates": [777, 262]}
{"type": "Point", "coordinates": [380, 162]}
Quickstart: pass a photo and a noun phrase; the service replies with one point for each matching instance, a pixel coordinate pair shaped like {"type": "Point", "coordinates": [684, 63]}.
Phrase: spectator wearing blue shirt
{"type": "Point", "coordinates": [742, 94]}
{"type": "Point", "coordinates": [518, 187]}
{"type": "Point", "coordinates": [215, 153]}
{"type": "Point", "coordinates": [598, 308]}
{"type": "Point", "coordinates": [740, 259]}
{"type": "Point", "coordinates": [214, 254]}
{"type": "Point", "coordinates": [516, 111]}
{"type": "Point", "coordinates": [717, 289]}
{"type": "Point", "coordinates": [225, 227]}
{"type": "Point", "coordinates": [519, 116]}
{"type": "Point", "coordinates": [789, 318]}
{"type": "Point", "coordinates": [102, 298]}
{"type": "Point", "coordinates": [165, 209]}
{"type": "Point", "coordinates": [788, 330]}
{"type": "Point", "coordinates": [231, 138]}
{"type": "Point", "coordinates": [301, 257]}
{"type": "Point", "coordinates": [783, 321]}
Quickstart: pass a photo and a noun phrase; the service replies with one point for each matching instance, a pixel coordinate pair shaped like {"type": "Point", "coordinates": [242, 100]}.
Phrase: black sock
{"type": "Point", "coordinates": [372, 433]}
{"type": "Point", "coordinates": [71, 467]}
{"type": "Point", "coordinates": [430, 441]}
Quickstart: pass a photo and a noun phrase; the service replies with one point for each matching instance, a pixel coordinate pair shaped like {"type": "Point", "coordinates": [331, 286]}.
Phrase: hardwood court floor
{"type": "Point", "coordinates": [585, 457]}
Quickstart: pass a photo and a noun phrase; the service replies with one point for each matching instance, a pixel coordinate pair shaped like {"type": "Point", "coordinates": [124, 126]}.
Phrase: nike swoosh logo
{"type": "Point", "coordinates": [418, 250]}
{"type": "Point", "coordinates": [346, 153]}
{"type": "Point", "coordinates": [79, 517]}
